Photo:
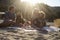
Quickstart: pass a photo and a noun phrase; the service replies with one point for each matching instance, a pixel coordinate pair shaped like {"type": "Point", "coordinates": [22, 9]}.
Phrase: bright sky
{"type": "Point", "coordinates": [53, 2]}
{"type": "Point", "coordinates": [49, 2]}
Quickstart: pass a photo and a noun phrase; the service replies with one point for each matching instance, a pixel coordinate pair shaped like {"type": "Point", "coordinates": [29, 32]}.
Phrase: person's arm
{"type": "Point", "coordinates": [44, 23]}
{"type": "Point", "coordinates": [14, 18]}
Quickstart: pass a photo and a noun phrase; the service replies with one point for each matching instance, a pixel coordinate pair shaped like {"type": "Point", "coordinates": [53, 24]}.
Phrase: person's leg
{"type": "Point", "coordinates": [6, 24]}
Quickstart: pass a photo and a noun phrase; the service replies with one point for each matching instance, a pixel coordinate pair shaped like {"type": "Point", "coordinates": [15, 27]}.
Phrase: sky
{"type": "Point", "coordinates": [49, 2]}
{"type": "Point", "coordinates": [53, 2]}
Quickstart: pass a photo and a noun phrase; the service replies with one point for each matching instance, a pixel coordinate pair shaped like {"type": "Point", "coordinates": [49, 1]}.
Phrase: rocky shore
{"type": "Point", "coordinates": [23, 34]}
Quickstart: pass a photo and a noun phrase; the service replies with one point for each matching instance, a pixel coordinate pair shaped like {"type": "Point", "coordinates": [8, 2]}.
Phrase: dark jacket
{"type": "Point", "coordinates": [9, 16]}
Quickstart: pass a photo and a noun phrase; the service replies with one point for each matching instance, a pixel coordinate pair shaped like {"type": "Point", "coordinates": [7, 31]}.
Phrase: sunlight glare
{"type": "Point", "coordinates": [33, 2]}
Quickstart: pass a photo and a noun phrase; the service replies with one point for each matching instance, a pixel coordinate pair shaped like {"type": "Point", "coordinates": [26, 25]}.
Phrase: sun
{"type": "Point", "coordinates": [33, 2]}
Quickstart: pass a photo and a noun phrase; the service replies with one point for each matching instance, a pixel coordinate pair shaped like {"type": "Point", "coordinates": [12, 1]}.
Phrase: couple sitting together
{"type": "Point", "coordinates": [11, 19]}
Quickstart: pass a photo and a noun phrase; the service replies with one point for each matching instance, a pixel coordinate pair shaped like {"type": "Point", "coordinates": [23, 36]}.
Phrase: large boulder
{"type": "Point", "coordinates": [57, 22]}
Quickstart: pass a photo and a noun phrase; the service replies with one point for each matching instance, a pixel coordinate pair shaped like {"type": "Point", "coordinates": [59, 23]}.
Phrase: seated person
{"type": "Point", "coordinates": [9, 17]}
{"type": "Point", "coordinates": [39, 22]}
{"type": "Point", "coordinates": [20, 20]}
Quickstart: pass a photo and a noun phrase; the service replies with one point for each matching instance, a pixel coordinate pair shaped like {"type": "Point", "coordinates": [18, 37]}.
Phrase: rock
{"type": "Point", "coordinates": [27, 35]}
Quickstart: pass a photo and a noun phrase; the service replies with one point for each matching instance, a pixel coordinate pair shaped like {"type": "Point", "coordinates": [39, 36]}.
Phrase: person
{"type": "Point", "coordinates": [20, 20]}
{"type": "Point", "coordinates": [9, 17]}
{"type": "Point", "coordinates": [39, 21]}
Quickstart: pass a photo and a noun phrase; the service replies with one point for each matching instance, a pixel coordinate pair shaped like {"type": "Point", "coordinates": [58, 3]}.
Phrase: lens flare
{"type": "Point", "coordinates": [33, 2]}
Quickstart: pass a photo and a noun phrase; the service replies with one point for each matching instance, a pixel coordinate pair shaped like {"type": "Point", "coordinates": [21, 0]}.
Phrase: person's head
{"type": "Point", "coordinates": [11, 9]}
{"type": "Point", "coordinates": [41, 14]}
{"type": "Point", "coordinates": [35, 12]}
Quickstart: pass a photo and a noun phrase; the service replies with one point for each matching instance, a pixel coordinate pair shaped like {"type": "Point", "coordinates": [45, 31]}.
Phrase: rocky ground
{"type": "Point", "coordinates": [22, 34]}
